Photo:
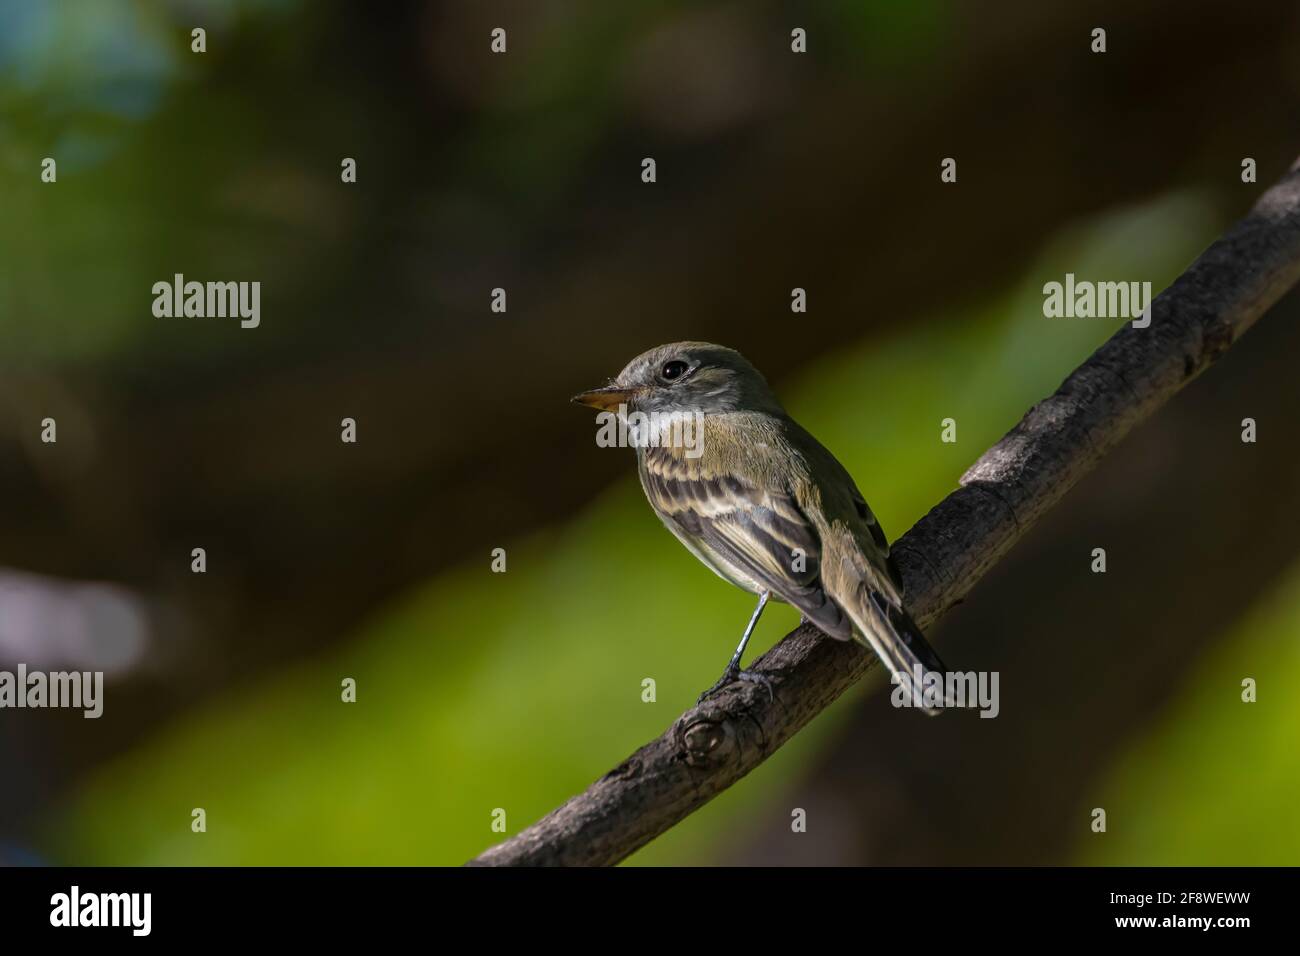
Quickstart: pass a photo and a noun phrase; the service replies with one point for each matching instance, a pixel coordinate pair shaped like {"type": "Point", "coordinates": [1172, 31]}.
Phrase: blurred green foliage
{"type": "Point", "coordinates": [1215, 781]}
{"type": "Point", "coordinates": [516, 690]}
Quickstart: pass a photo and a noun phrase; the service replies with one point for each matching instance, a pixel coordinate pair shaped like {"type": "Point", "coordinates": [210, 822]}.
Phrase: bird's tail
{"type": "Point", "coordinates": [859, 576]}
{"type": "Point", "coordinates": [884, 626]}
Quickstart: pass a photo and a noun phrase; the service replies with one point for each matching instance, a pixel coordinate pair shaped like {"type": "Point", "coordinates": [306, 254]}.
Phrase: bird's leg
{"type": "Point", "coordinates": [733, 671]}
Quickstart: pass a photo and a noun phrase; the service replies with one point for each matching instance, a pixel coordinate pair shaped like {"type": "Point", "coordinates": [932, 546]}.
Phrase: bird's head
{"type": "Point", "coordinates": [685, 377]}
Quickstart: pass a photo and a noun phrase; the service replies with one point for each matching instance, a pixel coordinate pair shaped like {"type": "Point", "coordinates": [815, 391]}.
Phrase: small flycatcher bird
{"type": "Point", "coordinates": [764, 505]}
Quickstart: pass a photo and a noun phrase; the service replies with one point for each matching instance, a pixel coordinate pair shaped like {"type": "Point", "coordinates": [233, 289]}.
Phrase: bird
{"type": "Point", "coordinates": [758, 500]}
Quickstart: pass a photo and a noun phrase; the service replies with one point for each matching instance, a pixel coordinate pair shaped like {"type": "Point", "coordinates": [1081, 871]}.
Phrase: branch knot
{"type": "Point", "coordinates": [707, 742]}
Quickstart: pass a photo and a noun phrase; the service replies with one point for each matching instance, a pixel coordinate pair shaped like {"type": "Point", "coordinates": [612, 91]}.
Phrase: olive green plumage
{"type": "Point", "coordinates": [762, 502]}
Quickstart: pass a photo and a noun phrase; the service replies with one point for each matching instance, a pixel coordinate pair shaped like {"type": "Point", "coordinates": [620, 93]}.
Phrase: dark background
{"type": "Point", "coordinates": [522, 171]}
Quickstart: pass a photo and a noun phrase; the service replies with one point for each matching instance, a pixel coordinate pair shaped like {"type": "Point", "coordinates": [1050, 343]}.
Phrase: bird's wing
{"type": "Point", "coordinates": [837, 498]}
{"type": "Point", "coordinates": [858, 572]}
{"type": "Point", "coordinates": [759, 530]}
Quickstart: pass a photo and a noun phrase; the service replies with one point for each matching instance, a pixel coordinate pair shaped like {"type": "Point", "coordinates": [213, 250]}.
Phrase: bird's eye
{"type": "Point", "coordinates": [673, 370]}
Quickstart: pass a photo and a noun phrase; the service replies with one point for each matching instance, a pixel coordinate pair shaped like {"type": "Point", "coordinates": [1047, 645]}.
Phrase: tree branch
{"type": "Point", "coordinates": [1029, 470]}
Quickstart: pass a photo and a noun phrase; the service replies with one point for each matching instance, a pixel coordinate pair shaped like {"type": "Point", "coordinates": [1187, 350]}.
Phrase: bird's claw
{"type": "Point", "coordinates": [732, 674]}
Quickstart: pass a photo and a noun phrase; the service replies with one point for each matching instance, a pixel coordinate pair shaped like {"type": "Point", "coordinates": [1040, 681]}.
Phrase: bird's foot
{"type": "Point", "coordinates": [734, 673]}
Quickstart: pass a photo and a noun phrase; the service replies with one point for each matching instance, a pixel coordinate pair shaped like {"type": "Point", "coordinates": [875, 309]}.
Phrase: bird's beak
{"type": "Point", "coordinates": [606, 399]}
